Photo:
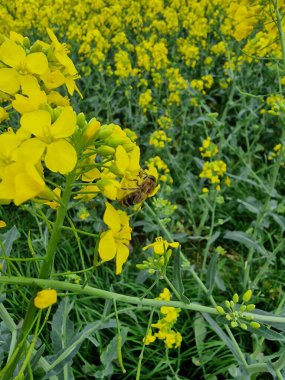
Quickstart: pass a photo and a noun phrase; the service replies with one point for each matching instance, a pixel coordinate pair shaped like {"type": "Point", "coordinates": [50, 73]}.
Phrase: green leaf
{"type": "Point", "coordinates": [211, 272]}
{"type": "Point", "coordinates": [246, 240]}
{"type": "Point", "coordinates": [177, 277]}
{"type": "Point", "coordinates": [222, 335]}
{"type": "Point", "coordinates": [267, 333]}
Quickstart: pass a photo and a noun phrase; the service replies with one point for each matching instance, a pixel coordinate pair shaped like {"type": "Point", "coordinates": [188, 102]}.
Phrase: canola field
{"type": "Point", "coordinates": [142, 189]}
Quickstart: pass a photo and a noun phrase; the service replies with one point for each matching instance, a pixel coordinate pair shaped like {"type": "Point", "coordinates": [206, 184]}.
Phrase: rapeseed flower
{"type": "Point", "coordinates": [60, 155]}
{"type": "Point", "coordinates": [45, 298]}
{"type": "Point", "coordinates": [115, 241]}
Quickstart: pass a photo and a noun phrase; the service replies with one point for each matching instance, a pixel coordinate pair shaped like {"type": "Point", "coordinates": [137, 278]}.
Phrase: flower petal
{"type": "Point", "coordinates": [112, 218]}
{"type": "Point", "coordinates": [60, 157]}
{"type": "Point", "coordinates": [37, 122]}
{"type": "Point", "coordinates": [9, 81]}
{"type": "Point", "coordinates": [107, 246]}
{"type": "Point", "coordinates": [11, 53]}
{"type": "Point", "coordinates": [65, 125]}
{"type": "Point", "coordinates": [122, 256]}
{"type": "Point", "coordinates": [37, 63]}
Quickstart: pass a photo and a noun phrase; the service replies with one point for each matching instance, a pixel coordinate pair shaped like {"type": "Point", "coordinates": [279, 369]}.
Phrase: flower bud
{"type": "Point", "coordinates": [235, 298]}
{"type": "Point", "coordinates": [228, 305]}
{"type": "Point", "coordinates": [26, 43]}
{"type": "Point", "coordinates": [247, 296]}
{"type": "Point", "coordinates": [250, 307]}
{"type": "Point", "coordinates": [91, 130]}
{"type": "Point", "coordinates": [255, 325]}
{"type": "Point", "coordinates": [105, 150]}
{"type": "Point", "coordinates": [220, 310]}
{"type": "Point", "coordinates": [105, 131]}
{"type": "Point", "coordinates": [242, 308]}
{"type": "Point", "coordinates": [115, 141]}
{"type": "Point", "coordinates": [234, 324]}
{"type": "Point", "coordinates": [81, 121]}
{"type": "Point", "coordinates": [243, 326]}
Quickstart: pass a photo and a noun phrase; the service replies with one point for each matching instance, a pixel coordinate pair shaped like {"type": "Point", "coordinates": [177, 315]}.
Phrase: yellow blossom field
{"type": "Point", "coordinates": [142, 189]}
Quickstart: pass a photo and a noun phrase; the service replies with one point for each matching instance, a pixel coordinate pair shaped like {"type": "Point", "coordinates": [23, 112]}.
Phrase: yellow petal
{"type": "Point", "coordinates": [53, 79]}
{"type": "Point", "coordinates": [37, 122]}
{"type": "Point", "coordinates": [37, 63]}
{"type": "Point", "coordinates": [60, 157]}
{"type": "Point", "coordinates": [45, 298]}
{"type": "Point", "coordinates": [112, 217]}
{"type": "Point", "coordinates": [107, 246]}
{"type": "Point", "coordinates": [122, 159]}
{"type": "Point", "coordinates": [11, 53]}
{"type": "Point", "coordinates": [121, 258]}
{"type": "Point", "coordinates": [30, 151]}
{"type": "Point", "coordinates": [134, 165]}
{"type": "Point", "coordinates": [28, 184]}
{"type": "Point", "coordinates": [9, 81]}
{"type": "Point", "coordinates": [65, 125]}
{"type": "Point", "coordinates": [29, 84]}
{"type": "Point", "coordinates": [2, 224]}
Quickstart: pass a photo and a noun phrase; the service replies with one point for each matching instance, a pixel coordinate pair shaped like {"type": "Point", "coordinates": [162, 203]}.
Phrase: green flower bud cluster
{"type": "Point", "coordinates": [234, 312]}
{"type": "Point", "coordinates": [157, 263]}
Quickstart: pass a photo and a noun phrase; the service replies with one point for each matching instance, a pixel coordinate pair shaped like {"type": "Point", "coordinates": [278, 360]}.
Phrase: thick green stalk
{"type": "Point", "coordinates": [45, 270]}
{"type": "Point", "coordinates": [99, 293]}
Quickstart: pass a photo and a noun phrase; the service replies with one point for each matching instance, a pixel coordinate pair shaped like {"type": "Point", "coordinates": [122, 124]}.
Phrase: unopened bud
{"type": "Point", "coordinates": [105, 150]}
{"type": "Point", "coordinates": [255, 325]}
{"type": "Point", "coordinates": [105, 131]}
{"type": "Point", "coordinates": [220, 310]}
{"type": "Point", "coordinates": [91, 130]}
{"type": "Point", "coordinates": [81, 121]}
{"type": "Point", "coordinates": [235, 298]}
{"type": "Point", "coordinates": [247, 296]}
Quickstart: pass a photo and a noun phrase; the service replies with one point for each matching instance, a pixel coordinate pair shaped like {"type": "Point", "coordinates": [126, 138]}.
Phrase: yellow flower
{"type": "Point", "coordinates": [165, 295]}
{"type": "Point", "coordinates": [160, 246]}
{"type": "Point", "coordinates": [2, 224]}
{"type": "Point", "coordinates": [45, 298]}
{"type": "Point", "coordinates": [60, 155]}
{"type": "Point", "coordinates": [19, 65]}
{"type": "Point", "coordinates": [32, 96]}
{"type": "Point", "coordinates": [114, 242]}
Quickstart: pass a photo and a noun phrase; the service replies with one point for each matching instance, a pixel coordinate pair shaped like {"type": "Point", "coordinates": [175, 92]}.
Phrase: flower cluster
{"type": "Point", "coordinates": [52, 138]}
{"type": "Point", "coordinates": [161, 255]}
{"type": "Point", "coordinates": [171, 338]}
{"type": "Point", "coordinates": [158, 139]}
{"type": "Point", "coordinates": [215, 170]}
{"type": "Point", "coordinates": [235, 313]}
{"type": "Point", "coordinates": [29, 76]}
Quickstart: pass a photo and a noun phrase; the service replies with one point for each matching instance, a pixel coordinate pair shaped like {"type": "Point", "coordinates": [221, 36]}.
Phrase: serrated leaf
{"type": "Point", "coordinates": [62, 327]}
{"type": "Point", "coordinates": [244, 239]}
{"type": "Point", "coordinates": [64, 356]}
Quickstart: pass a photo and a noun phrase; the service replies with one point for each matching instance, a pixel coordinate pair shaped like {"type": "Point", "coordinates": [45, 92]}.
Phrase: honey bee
{"type": "Point", "coordinates": [141, 193]}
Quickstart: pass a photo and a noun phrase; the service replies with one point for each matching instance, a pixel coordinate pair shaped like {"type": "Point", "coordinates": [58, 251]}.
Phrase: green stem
{"type": "Point", "coordinates": [45, 270]}
{"type": "Point", "coordinates": [99, 293]}
{"type": "Point", "coordinates": [235, 344]}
